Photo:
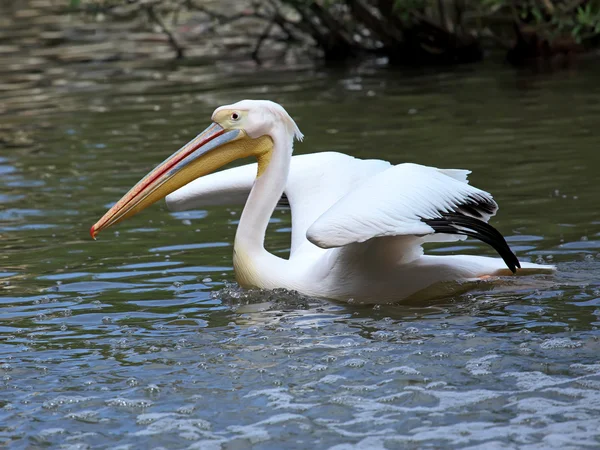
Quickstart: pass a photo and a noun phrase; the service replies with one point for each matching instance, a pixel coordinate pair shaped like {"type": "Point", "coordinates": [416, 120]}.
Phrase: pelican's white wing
{"type": "Point", "coordinates": [414, 201]}
{"type": "Point", "coordinates": [227, 187]}
{"type": "Point", "coordinates": [315, 182]}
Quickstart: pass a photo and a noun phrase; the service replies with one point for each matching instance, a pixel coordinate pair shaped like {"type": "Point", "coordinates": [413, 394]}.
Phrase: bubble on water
{"type": "Point", "coordinates": [404, 370]}
{"type": "Point", "coordinates": [207, 280]}
{"type": "Point", "coordinates": [186, 222]}
{"type": "Point", "coordinates": [177, 284]}
{"type": "Point", "coordinates": [466, 335]}
{"type": "Point", "coordinates": [382, 335]}
{"type": "Point", "coordinates": [348, 342]}
{"type": "Point", "coordinates": [132, 382]}
{"type": "Point", "coordinates": [107, 320]}
{"type": "Point", "coordinates": [186, 409]}
{"type": "Point", "coordinates": [318, 368]}
{"type": "Point", "coordinates": [152, 389]}
{"type": "Point", "coordinates": [355, 363]}
{"type": "Point", "coordinates": [128, 403]}
{"type": "Point", "coordinates": [412, 330]}
{"type": "Point", "coordinates": [560, 343]}
{"type": "Point", "coordinates": [64, 400]}
{"type": "Point", "coordinates": [120, 343]}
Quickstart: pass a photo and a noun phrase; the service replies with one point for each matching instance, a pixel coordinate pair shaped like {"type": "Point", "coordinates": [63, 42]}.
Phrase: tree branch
{"type": "Point", "coordinates": [263, 36]}
{"type": "Point", "coordinates": [154, 17]}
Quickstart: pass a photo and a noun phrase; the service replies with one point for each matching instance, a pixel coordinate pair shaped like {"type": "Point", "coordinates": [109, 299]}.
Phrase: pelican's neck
{"type": "Point", "coordinates": [273, 169]}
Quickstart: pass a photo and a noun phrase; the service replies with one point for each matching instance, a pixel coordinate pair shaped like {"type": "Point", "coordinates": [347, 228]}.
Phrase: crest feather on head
{"type": "Point", "coordinates": [279, 111]}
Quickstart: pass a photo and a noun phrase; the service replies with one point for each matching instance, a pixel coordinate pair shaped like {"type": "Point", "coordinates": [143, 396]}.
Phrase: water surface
{"type": "Point", "coordinates": [142, 340]}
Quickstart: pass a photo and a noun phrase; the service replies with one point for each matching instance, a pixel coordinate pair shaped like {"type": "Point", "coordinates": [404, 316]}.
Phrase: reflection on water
{"type": "Point", "coordinates": [139, 339]}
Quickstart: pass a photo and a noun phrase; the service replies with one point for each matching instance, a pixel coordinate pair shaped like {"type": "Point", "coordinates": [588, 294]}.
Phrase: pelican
{"type": "Point", "coordinates": [358, 226]}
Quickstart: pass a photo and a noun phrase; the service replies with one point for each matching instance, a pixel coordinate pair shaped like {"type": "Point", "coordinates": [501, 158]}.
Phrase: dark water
{"type": "Point", "coordinates": [140, 339]}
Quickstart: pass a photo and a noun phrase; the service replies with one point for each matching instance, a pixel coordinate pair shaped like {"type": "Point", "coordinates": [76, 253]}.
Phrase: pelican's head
{"type": "Point", "coordinates": [246, 128]}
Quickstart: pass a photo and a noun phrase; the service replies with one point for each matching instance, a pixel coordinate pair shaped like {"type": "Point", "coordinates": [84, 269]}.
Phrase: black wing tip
{"type": "Point", "coordinates": [478, 205]}
{"type": "Point", "coordinates": [456, 223]}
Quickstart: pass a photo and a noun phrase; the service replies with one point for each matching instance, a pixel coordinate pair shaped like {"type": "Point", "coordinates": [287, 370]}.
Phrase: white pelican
{"type": "Point", "coordinates": [358, 226]}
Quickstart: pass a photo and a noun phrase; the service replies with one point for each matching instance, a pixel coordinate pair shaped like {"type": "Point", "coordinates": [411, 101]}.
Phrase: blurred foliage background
{"type": "Point", "coordinates": [404, 31]}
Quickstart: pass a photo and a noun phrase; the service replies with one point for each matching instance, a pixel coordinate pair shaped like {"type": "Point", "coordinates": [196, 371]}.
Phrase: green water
{"type": "Point", "coordinates": [141, 340]}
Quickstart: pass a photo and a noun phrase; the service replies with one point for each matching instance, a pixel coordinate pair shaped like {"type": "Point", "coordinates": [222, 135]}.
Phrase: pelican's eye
{"type": "Point", "coordinates": [235, 116]}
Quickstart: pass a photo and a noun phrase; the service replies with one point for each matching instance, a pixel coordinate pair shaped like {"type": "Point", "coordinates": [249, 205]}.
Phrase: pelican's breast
{"type": "Point", "coordinates": [246, 273]}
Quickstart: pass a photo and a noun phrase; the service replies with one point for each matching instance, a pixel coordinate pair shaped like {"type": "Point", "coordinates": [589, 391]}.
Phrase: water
{"type": "Point", "coordinates": [141, 339]}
